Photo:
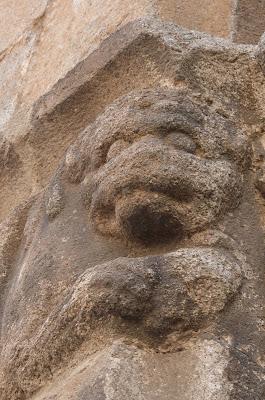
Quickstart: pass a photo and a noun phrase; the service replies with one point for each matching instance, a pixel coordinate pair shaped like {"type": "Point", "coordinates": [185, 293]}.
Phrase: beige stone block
{"type": "Point", "coordinates": [248, 21]}
{"type": "Point", "coordinates": [72, 29]}
{"type": "Point", "coordinates": [18, 17]}
{"type": "Point", "coordinates": [13, 68]}
{"type": "Point", "coordinates": [211, 16]}
{"type": "Point", "coordinates": [69, 31]}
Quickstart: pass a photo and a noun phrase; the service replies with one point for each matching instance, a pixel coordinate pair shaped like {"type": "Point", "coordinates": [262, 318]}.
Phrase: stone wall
{"type": "Point", "coordinates": [39, 46]}
{"type": "Point", "coordinates": [248, 21]}
{"type": "Point", "coordinates": [132, 202]}
{"type": "Point", "coordinates": [52, 38]}
{"type": "Point", "coordinates": [212, 16]}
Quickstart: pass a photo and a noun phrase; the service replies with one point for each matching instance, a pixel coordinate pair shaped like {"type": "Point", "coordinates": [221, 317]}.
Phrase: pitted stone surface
{"type": "Point", "coordinates": [142, 184]}
{"type": "Point", "coordinates": [177, 291]}
{"type": "Point", "coordinates": [116, 244]}
{"type": "Point", "coordinates": [135, 267]}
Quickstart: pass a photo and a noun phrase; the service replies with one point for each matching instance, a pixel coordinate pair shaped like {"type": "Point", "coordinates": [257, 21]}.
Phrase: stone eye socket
{"type": "Point", "coordinates": [116, 148]}
{"type": "Point", "coordinates": [182, 141]}
{"type": "Point", "coordinates": [177, 139]}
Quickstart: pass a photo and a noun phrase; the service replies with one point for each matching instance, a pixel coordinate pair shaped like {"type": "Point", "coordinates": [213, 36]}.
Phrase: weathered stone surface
{"type": "Point", "coordinates": [123, 371]}
{"type": "Point", "coordinates": [143, 54]}
{"type": "Point", "coordinates": [261, 53]}
{"type": "Point", "coordinates": [159, 293]}
{"type": "Point", "coordinates": [116, 248]}
{"type": "Point", "coordinates": [17, 18]}
{"type": "Point", "coordinates": [248, 21]}
{"type": "Point", "coordinates": [260, 182]}
{"type": "Point", "coordinates": [13, 68]}
{"type": "Point", "coordinates": [134, 267]}
{"type": "Point", "coordinates": [66, 22]}
{"type": "Point", "coordinates": [212, 16]}
{"type": "Point", "coordinates": [168, 181]}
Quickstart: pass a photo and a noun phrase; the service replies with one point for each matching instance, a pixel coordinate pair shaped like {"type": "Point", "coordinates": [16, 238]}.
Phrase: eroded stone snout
{"type": "Point", "coordinates": [160, 167]}
{"type": "Point", "coordinates": [152, 192]}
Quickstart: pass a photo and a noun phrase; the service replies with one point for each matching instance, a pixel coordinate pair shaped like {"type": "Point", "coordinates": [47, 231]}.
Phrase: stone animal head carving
{"type": "Point", "coordinates": [157, 166]}
{"type": "Point", "coordinates": [154, 168]}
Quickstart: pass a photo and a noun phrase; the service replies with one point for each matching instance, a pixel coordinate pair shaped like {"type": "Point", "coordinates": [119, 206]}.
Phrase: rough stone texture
{"type": "Point", "coordinates": [13, 67]}
{"type": "Point", "coordinates": [65, 21]}
{"type": "Point", "coordinates": [38, 74]}
{"type": "Point", "coordinates": [123, 371]}
{"type": "Point", "coordinates": [142, 54]}
{"type": "Point", "coordinates": [21, 16]}
{"type": "Point", "coordinates": [176, 292]}
{"type": "Point", "coordinates": [117, 248]}
{"type": "Point", "coordinates": [260, 53]}
{"type": "Point", "coordinates": [248, 20]}
{"type": "Point", "coordinates": [212, 16]}
{"type": "Point", "coordinates": [132, 206]}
